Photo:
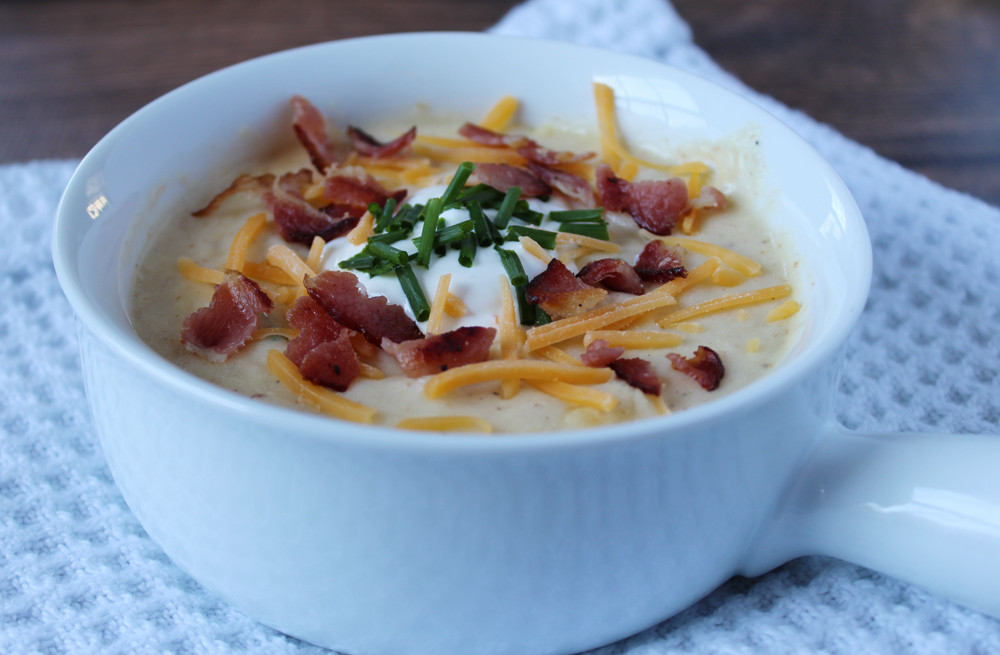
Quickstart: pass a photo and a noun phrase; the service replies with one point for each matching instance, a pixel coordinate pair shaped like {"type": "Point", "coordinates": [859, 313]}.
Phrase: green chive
{"type": "Point", "coordinates": [486, 232]}
{"type": "Point", "coordinates": [392, 236]}
{"type": "Point", "coordinates": [577, 216]}
{"type": "Point", "coordinates": [457, 182]}
{"type": "Point", "coordinates": [389, 253]}
{"type": "Point", "coordinates": [525, 309]}
{"type": "Point", "coordinates": [512, 265]}
{"type": "Point", "coordinates": [541, 316]}
{"type": "Point", "coordinates": [525, 213]}
{"type": "Point", "coordinates": [431, 213]}
{"type": "Point", "coordinates": [484, 194]}
{"type": "Point", "coordinates": [414, 294]}
{"type": "Point", "coordinates": [407, 217]}
{"type": "Point", "coordinates": [467, 253]}
{"type": "Point", "coordinates": [507, 207]}
{"type": "Point", "coordinates": [383, 215]}
{"type": "Point", "coordinates": [593, 230]}
{"type": "Point", "coordinates": [545, 238]}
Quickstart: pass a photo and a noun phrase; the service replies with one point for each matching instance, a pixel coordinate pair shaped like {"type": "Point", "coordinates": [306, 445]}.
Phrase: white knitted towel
{"type": "Point", "coordinates": [79, 575]}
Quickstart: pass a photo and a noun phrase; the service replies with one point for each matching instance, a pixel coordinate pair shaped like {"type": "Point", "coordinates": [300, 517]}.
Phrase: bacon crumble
{"type": "Point", "coordinates": [504, 176]}
{"type": "Point", "coordinates": [654, 204]}
{"type": "Point", "coordinates": [600, 353]}
{"type": "Point", "coordinates": [223, 327]}
{"type": "Point", "coordinates": [704, 367]}
{"type": "Point", "coordinates": [560, 293]}
{"type": "Point", "coordinates": [339, 293]}
{"type": "Point", "coordinates": [310, 128]}
{"type": "Point", "coordinates": [440, 352]}
{"type": "Point", "coordinates": [368, 145]}
{"type": "Point", "coordinates": [656, 263]}
{"type": "Point", "coordinates": [638, 373]}
{"type": "Point", "coordinates": [612, 274]}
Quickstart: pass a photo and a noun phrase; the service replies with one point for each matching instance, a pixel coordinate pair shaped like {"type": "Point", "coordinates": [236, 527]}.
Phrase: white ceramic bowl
{"type": "Point", "coordinates": [370, 540]}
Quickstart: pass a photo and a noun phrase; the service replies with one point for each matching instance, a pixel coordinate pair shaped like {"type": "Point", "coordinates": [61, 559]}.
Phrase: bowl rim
{"type": "Point", "coordinates": [302, 424]}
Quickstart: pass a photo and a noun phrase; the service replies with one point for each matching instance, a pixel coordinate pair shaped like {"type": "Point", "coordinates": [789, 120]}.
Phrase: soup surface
{"type": "Point", "coordinates": [570, 280]}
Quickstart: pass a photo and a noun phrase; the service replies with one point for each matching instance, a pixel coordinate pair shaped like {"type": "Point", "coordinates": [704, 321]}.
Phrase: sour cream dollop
{"type": "Point", "coordinates": [478, 287]}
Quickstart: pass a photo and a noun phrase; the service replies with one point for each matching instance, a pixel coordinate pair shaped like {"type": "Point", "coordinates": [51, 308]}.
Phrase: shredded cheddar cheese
{"type": "Point", "coordinates": [197, 273]}
{"type": "Point", "coordinates": [577, 395]}
{"type": "Point", "coordinates": [501, 114]}
{"type": "Point", "coordinates": [315, 396]}
{"type": "Point", "coordinates": [502, 369]}
{"type": "Point", "coordinates": [743, 264]}
{"type": "Point", "coordinates": [454, 307]}
{"type": "Point", "coordinates": [436, 317]}
{"type": "Point", "coordinates": [283, 257]}
{"type": "Point", "coordinates": [727, 302]}
{"type": "Point", "coordinates": [634, 339]}
{"type": "Point", "coordinates": [362, 230]}
{"type": "Point", "coordinates": [244, 237]}
{"type": "Point", "coordinates": [446, 424]}
{"type": "Point", "coordinates": [782, 311]}
{"type": "Point", "coordinates": [510, 336]}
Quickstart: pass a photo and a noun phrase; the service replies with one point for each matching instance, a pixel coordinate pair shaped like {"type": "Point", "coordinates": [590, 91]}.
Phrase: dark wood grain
{"type": "Point", "coordinates": [914, 79]}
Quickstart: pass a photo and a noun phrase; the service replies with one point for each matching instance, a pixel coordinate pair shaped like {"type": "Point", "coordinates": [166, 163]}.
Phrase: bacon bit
{"type": "Point", "coordinates": [600, 353]}
{"type": "Point", "coordinates": [315, 326]}
{"type": "Point", "coordinates": [613, 274]}
{"type": "Point", "coordinates": [217, 331]}
{"type": "Point", "coordinates": [299, 222]}
{"type": "Point", "coordinates": [638, 372]}
{"type": "Point", "coordinates": [658, 264]}
{"type": "Point", "coordinates": [504, 176]}
{"type": "Point", "coordinates": [704, 367]}
{"type": "Point", "coordinates": [310, 128]}
{"type": "Point", "coordinates": [655, 205]}
{"type": "Point", "coordinates": [368, 145]}
{"type": "Point", "coordinates": [527, 148]}
{"type": "Point", "coordinates": [244, 183]}
{"type": "Point", "coordinates": [486, 137]}
{"type": "Point", "coordinates": [560, 293]}
{"type": "Point", "coordinates": [332, 364]}
{"type": "Point", "coordinates": [351, 196]}
{"type": "Point", "coordinates": [440, 352]}
{"type": "Point", "coordinates": [339, 294]}
{"type": "Point", "coordinates": [296, 183]}
{"type": "Point", "coordinates": [569, 184]}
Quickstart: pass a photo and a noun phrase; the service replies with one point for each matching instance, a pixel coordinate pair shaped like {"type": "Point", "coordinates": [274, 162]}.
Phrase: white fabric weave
{"type": "Point", "coordinates": [79, 575]}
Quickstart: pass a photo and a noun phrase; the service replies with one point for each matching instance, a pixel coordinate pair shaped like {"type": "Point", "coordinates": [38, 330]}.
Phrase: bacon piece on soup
{"type": "Point", "coordinates": [504, 176]}
{"type": "Point", "coordinates": [439, 352]}
{"type": "Point", "coordinates": [332, 364]}
{"type": "Point", "coordinates": [256, 184]}
{"type": "Point", "coordinates": [350, 196]}
{"type": "Point", "coordinates": [569, 184]}
{"type": "Point", "coordinates": [600, 353]}
{"type": "Point", "coordinates": [656, 263]}
{"type": "Point", "coordinates": [654, 204]}
{"type": "Point", "coordinates": [310, 128]}
{"type": "Point", "coordinates": [527, 148]}
{"type": "Point", "coordinates": [339, 294]}
{"type": "Point", "coordinates": [560, 293]}
{"type": "Point", "coordinates": [217, 331]}
{"type": "Point", "coordinates": [613, 274]}
{"type": "Point", "coordinates": [704, 367]}
{"type": "Point", "coordinates": [299, 222]}
{"type": "Point", "coordinates": [296, 182]}
{"type": "Point", "coordinates": [639, 373]}
{"type": "Point", "coordinates": [368, 145]}
{"type": "Point", "coordinates": [315, 326]}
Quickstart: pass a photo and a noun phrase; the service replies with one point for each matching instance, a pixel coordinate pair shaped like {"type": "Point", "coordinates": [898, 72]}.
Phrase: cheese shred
{"type": "Point", "coordinates": [315, 396]}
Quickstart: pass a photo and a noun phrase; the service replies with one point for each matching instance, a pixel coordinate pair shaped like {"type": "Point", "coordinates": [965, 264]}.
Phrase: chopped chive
{"type": "Point", "coordinates": [392, 236]}
{"type": "Point", "coordinates": [541, 316]}
{"type": "Point", "coordinates": [593, 230]}
{"type": "Point", "coordinates": [453, 233]}
{"type": "Point", "coordinates": [457, 182]}
{"type": "Point", "coordinates": [359, 262]}
{"type": "Point", "coordinates": [486, 231]}
{"type": "Point", "coordinates": [512, 265]}
{"type": "Point", "coordinates": [407, 217]}
{"type": "Point", "coordinates": [525, 309]}
{"type": "Point", "coordinates": [431, 213]}
{"type": "Point", "coordinates": [484, 194]}
{"type": "Point", "coordinates": [507, 207]}
{"type": "Point", "coordinates": [389, 253]}
{"type": "Point", "coordinates": [577, 216]}
{"type": "Point", "coordinates": [467, 253]}
{"type": "Point", "coordinates": [383, 215]}
{"type": "Point", "coordinates": [414, 294]}
{"type": "Point", "coordinates": [545, 238]}
{"type": "Point", "coordinates": [524, 212]}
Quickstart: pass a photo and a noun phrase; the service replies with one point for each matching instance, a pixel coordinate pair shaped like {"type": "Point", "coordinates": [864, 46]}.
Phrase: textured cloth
{"type": "Point", "coordinates": [79, 575]}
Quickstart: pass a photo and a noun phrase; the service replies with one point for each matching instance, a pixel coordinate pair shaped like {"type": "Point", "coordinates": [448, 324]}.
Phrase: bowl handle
{"type": "Point", "coordinates": [921, 507]}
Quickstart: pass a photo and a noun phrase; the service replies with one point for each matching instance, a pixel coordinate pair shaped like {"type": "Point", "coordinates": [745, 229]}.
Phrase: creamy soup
{"type": "Point", "coordinates": [729, 254]}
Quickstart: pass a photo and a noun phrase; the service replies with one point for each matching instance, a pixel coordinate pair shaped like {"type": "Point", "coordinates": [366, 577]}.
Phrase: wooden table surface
{"type": "Point", "coordinates": [914, 79]}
